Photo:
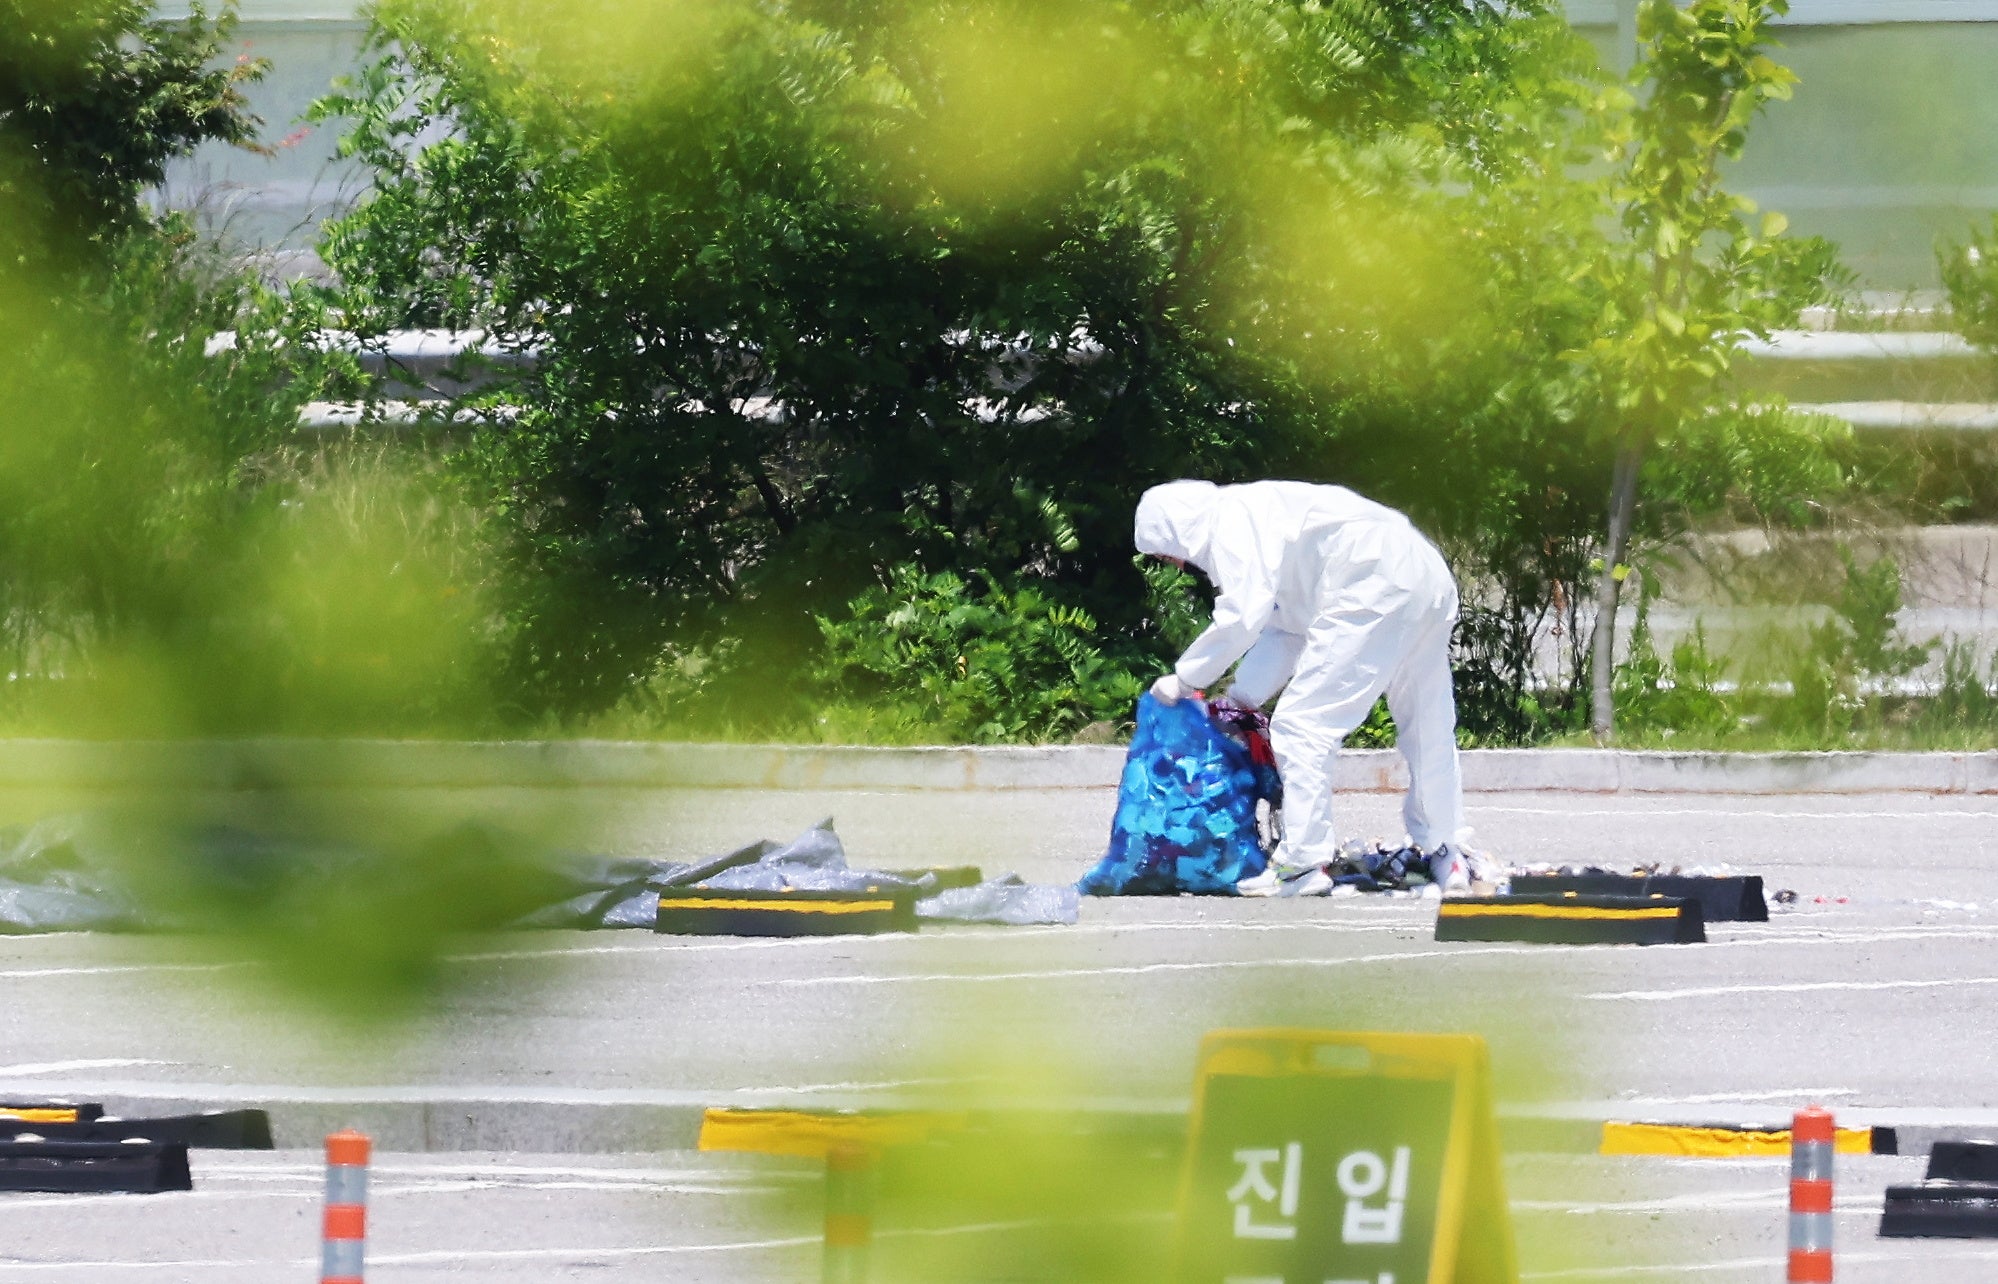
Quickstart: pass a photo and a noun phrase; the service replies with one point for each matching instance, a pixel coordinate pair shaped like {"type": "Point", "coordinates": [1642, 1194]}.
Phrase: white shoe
{"type": "Point", "coordinates": [1273, 880]}
{"type": "Point", "coordinates": [1267, 883]}
{"type": "Point", "coordinates": [1449, 871]}
{"type": "Point", "coordinates": [1312, 882]}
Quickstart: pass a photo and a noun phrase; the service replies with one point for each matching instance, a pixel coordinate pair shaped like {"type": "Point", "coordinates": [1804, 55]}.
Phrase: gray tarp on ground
{"type": "Point", "coordinates": [58, 876]}
{"type": "Point", "coordinates": [813, 861]}
{"type": "Point", "coordinates": [68, 874]}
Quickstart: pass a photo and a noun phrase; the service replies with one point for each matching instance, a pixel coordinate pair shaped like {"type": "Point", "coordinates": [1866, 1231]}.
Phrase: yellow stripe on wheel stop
{"type": "Point", "coordinates": [1461, 910]}
{"type": "Point", "coordinates": [1715, 1143]}
{"type": "Point", "coordinates": [783, 907]}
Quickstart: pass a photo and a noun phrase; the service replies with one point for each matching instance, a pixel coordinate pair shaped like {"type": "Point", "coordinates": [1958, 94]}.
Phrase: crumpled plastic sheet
{"type": "Point", "coordinates": [68, 874]}
{"type": "Point", "coordinates": [100, 872]}
{"type": "Point", "coordinates": [627, 890]}
{"type": "Point", "coordinates": [1647, 870]}
{"type": "Point", "coordinates": [58, 875]}
{"type": "Point", "coordinates": [1008, 901]}
{"type": "Point", "coordinates": [41, 909]}
{"type": "Point", "coordinates": [1186, 809]}
{"type": "Point", "coordinates": [816, 861]}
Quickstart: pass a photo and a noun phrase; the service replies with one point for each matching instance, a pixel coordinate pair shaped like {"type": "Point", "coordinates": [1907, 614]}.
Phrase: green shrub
{"type": "Point", "coordinates": [1963, 700]}
{"type": "Point", "coordinates": [1860, 641]}
{"type": "Point", "coordinates": [984, 663]}
{"type": "Point", "coordinates": [1970, 276]}
{"type": "Point", "coordinates": [821, 291]}
{"type": "Point", "coordinates": [1659, 699]}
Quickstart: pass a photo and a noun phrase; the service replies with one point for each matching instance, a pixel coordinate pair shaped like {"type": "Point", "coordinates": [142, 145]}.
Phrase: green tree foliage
{"type": "Point", "coordinates": [109, 484]}
{"type": "Point", "coordinates": [96, 96]}
{"type": "Point", "coordinates": [1000, 265]}
{"type": "Point", "coordinates": [165, 567]}
{"type": "Point", "coordinates": [174, 564]}
{"type": "Point", "coordinates": [1694, 268]}
{"type": "Point", "coordinates": [825, 289]}
{"type": "Point", "coordinates": [1970, 275]}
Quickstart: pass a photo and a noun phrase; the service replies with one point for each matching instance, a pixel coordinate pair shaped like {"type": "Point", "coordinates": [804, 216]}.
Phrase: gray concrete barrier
{"type": "Point", "coordinates": [251, 765]}
{"type": "Point", "coordinates": [428, 1118]}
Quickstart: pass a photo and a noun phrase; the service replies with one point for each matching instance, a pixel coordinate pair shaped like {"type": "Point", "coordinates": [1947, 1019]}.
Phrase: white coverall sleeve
{"type": "Point", "coordinates": [1266, 669]}
{"type": "Point", "coordinates": [1246, 557]}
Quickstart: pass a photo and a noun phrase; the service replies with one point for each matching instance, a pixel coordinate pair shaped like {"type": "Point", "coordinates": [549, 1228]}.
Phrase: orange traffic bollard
{"type": "Point", "coordinates": [346, 1230]}
{"type": "Point", "coordinates": [849, 1213]}
{"type": "Point", "coordinates": [1812, 1137]}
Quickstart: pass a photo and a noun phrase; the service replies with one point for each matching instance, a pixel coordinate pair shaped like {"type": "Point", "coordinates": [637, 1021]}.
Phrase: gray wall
{"type": "Point", "coordinates": [274, 204]}
{"type": "Point", "coordinates": [1892, 139]}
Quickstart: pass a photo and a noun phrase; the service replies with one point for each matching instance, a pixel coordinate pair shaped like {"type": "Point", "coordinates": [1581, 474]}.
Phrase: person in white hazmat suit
{"type": "Point", "coordinates": [1330, 599]}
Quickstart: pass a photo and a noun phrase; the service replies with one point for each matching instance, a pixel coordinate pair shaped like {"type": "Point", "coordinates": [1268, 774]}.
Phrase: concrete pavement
{"type": "Point", "coordinates": [1874, 1004]}
{"type": "Point", "coordinates": [1878, 1000]}
{"type": "Point", "coordinates": [705, 1219]}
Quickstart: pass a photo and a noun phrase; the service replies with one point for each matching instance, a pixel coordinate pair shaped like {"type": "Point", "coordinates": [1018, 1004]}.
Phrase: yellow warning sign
{"type": "Point", "coordinates": [1338, 1158]}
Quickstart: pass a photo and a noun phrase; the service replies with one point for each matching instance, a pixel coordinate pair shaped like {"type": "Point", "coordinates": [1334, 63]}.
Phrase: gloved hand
{"type": "Point", "coordinates": [1170, 690]}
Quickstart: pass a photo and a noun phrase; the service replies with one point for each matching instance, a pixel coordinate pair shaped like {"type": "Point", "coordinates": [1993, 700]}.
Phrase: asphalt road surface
{"type": "Point", "coordinates": [1869, 995]}
{"type": "Point", "coordinates": [703, 1219]}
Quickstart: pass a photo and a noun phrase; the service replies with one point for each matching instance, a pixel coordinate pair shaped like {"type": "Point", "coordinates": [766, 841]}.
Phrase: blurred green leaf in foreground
{"type": "Point", "coordinates": [174, 565]}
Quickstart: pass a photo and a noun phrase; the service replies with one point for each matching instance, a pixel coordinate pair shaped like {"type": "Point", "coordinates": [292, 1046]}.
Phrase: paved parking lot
{"type": "Point", "coordinates": [1870, 995]}
{"type": "Point", "coordinates": [705, 1219]}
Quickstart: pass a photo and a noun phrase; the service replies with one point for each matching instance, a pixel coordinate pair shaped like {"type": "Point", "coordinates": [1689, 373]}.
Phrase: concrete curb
{"type": "Point", "coordinates": [437, 1119]}
{"type": "Point", "coordinates": [605, 764]}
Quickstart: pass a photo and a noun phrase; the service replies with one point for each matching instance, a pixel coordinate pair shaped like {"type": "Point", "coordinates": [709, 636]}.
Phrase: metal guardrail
{"type": "Point", "coordinates": [1909, 416]}
{"type": "Point", "coordinates": [1580, 12]}
{"type": "Point", "coordinates": [1818, 13]}
{"type": "Point", "coordinates": [427, 354]}
{"type": "Point", "coordinates": [1782, 345]}
{"type": "Point", "coordinates": [1846, 345]}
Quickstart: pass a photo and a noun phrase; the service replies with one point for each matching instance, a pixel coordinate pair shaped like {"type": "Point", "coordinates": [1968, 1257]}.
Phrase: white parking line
{"type": "Point", "coordinates": [1149, 969]}
{"type": "Point", "coordinates": [1702, 1202]}
{"type": "Point", "coordinates": [303, 1190]}
{"type": "Point", "coordinates": [1718, 1098]}
{"type": "Point", "coordinates": [1860, 935]}
{"type": "Point", "coordinates": [119, 969]}
{"type": "Point", "coordinates": [1795, 987]}
{"type": "Point", "coordinates": [1222, 965]}
{"type": "Point", "coordinates": [1404, 916]}
{"type": "Point", "coordinates": [1760, 1265]}
{"type": "Point", "coordinates": [582, 1254]}
{"type": "Point", "coordinates": [1671, 1269]}
{"type": "Point", "coordinates": [437, 1255]}
{"type": "Point", "coordinates": [1414, 913]}
{"type": "Point", "coordinates": [232, 1166]}
{"type": "Point", "coordinates": [1416, 918]}
{"type": "Point", "coordinates": [470, 1185]}
{"type": "Point", "coordinates": [559, 1254]}
{"type": "Point", "coordinates": [35, 1204]}
{"type": "Point", "coordinates": [61, 1067]}
{"type": "Point", "coordinates": [1732, 809]}
{"type": "Point", "coordinates": [192, 1263]}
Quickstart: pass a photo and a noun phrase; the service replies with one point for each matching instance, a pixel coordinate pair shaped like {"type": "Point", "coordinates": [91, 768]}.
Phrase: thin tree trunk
{"type": "Point", "coordinates": [779, 512]}
{"type": "Point", "coordinates": [1623, 503]}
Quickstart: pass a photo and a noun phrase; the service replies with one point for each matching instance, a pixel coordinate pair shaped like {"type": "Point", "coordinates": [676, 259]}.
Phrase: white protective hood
{"type": "Point", "coordinates": [1263, 546]}
{"type": "Point", "coordinates": [1176, 520]}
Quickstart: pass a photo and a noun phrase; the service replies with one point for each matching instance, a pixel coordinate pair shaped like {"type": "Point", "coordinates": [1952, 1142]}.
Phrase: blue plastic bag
{"type": "Point", "coordinates": [1186, 809]}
